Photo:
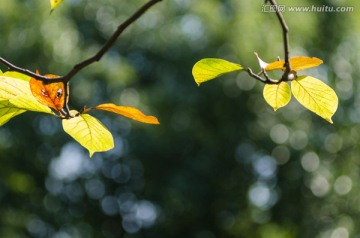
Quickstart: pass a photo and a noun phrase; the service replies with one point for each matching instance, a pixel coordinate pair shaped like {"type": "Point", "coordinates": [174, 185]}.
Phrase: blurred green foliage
{"type": "Point", "coordinates": [221, 164]}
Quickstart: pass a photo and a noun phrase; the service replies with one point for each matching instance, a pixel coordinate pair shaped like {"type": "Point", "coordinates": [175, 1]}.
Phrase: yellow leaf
{"type": "Point", "coordinates": [89, 132]}
{"type": "Point", "coordinates": [12, 91]}
{"type": "Point", "coordinates": [210, 68]}
{"type": "Point", "coordinates": [129, 112]}
{"type": "Point", "coordinates": [315, 96]}
{"type": "Point", "coordinates": [297, 63]}
{"type": "Point", "coordinates": [12, 87]}
{"type": "Point", "coordinates": [277, 95]}
{"type": "Point", "coordinates": [17, 93]}
{"type": "Point", "coordinates": [54, 4]}
{"type": "Point", "coordinates": [13, 74]}
{"type": "Point", "coordinates": [29, 103]}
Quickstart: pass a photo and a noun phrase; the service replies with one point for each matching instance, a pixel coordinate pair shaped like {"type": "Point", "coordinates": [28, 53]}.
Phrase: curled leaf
{"type": "Point", "coordinates": [210, 68]}
{"type": "Point", "coordinates": [52, 94]}
{"type": "Point", "coordinates": [315, 96]}
{"type": "Point", "coordinates": [297, 63]}
{"type": "Point", "coordinates": [129, 112]}
{"type": "Point", "coordinates": [89, 132]}
{"type": "Point", "coordinates": [277, 95]}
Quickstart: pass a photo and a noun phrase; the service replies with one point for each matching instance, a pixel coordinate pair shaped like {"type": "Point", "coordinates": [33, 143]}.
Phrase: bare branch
{"type": "Point", "coordinates": [26, 71]}
{"type": "Point", "coordinates": [65, 112]}
{"type": "Point", "coordinates": [108, 44]}
{"type": "Point", "coordinates": [111, 41]}
{"type": "Point", "coordinates": [267, 79]}
{"type": "Point", "coordinates": [285, 30]}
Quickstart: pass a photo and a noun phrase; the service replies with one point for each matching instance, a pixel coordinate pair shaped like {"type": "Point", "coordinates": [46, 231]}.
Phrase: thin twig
{"type": "Point", "coordinates": [285, 30]}
{"type": "Point", "coordinates": [108, 44]}
{"type": "Point", "coordinates": [27, 72]}
{"type": "Point", "coordinates": [267, 79]}
{"type": "Point", "coordinates": [64, 113]}
{"type": "Point", "coordinates": [111, 40]}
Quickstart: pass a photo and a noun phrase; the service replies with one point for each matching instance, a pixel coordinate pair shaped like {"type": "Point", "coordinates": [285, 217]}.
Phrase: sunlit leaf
{"type": "Point", "coordinates": [8, 111]}
{"type": "Point", "coordinates": [210, 68]}
{"type": "Point", "coordinates": [129, 112]}
{"type": "Point", "coordinates": [277, 95]}
{"type": "Point", "coordinates": [49, 94]}
{"type": "Point", "coordinates": [89, 132]}
{"type": "Point", "coordinates": [29, 103]}
{"type": "Point", "coordinates": [16, 98]}
{"type": "Point", "coordinates": [315, 96]}
{"type": "Point", "coordinates": [54, 4]}
{"type": "Point", "coordinates": [12, 87]}
{"type": "Point", "coordinates": [17, 75]}
{"type": "Point", "coordinates": [297, 63]}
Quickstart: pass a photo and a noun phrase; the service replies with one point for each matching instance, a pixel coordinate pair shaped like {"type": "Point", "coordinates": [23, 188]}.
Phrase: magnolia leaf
{"type": "Point", "coordinates": [49, 94]}
{"type": "Point", "coordinates": [129, 112]}
{"type": "Point", "coordinates": [8, 111]}
{"type": "Point", "coordinates": [17, 75]}
{"type": "Point", "coordinates": [315, 96]}
{"type": "Point", "coordinates": [54, 4]}
{"type": "Point", "coordinates": [210, 68]}
{"type": "Point", "coordinates": [297, 63]}
{"type": "Point", "coordinates": [89, 132]}
{"type": "Point", "coordinates": [29, 103]}
{"type": "Point", "coordinates": [277, 95]}
{"type": "Point", "coordinates": [12, 87]}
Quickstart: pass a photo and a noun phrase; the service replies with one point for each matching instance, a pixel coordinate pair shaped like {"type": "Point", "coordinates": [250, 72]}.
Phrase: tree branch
{"type": "Point", "coordinates": [108, 44]}
{"type": "Point", "coordinates": [285, 31]}
{"type": "Point", "coordinates": [27, 72]}
{"type": "Point", "coordinates": [267, 79]}
{"type": "Point", "coordinates": [110, 41]}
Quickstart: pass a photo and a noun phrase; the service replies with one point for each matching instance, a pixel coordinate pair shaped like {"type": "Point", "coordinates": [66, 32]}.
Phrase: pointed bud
{"type": "Point", "coordinates": [261, 62]}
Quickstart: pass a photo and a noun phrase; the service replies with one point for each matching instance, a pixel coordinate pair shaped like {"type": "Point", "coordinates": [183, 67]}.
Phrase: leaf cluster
{"type": "Point", "coordinates": [20, 93]}
{"type": "Point", "coordinates": [312, 93]}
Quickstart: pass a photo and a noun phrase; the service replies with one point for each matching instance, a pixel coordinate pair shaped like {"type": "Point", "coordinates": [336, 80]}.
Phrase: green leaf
{"type": "Point", "coordinates": [210, 68]}
{"type": "Point", "coordinates": [8, 111]}
{"type": "Point", "coordinates": [315, 96]}
{"type": "Point", "coordinates": [29, 103]}
{"type": "Point", "coordinates": [89, 132]}
{"type": "Point", "coordinates": [277, 95]}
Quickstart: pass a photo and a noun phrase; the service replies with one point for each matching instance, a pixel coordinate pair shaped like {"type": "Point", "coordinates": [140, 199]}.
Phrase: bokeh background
{"type": "Point", "coordinates": [221, 164]}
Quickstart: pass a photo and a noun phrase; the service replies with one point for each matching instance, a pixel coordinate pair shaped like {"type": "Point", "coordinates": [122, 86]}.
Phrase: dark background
{"type": "Point", "coordinates": [221, 164]}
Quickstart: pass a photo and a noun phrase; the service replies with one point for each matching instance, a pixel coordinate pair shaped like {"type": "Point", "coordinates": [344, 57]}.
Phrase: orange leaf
{"type": "Point", "coordinates": [49, 94]}
{"type": "Point", "coordinates": [129, 112]}
{"type": "Point", "coordinates": [297, 63]}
